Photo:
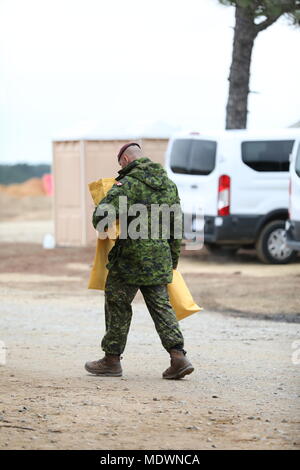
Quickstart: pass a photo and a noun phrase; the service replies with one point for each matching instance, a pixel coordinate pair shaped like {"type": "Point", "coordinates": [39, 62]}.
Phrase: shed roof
{"type": "Point", "coordinates": [109, 139]}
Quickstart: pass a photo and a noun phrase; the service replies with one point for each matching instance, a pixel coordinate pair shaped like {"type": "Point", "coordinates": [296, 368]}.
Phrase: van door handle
{"type": "Point", "coordinates": [194, 186]}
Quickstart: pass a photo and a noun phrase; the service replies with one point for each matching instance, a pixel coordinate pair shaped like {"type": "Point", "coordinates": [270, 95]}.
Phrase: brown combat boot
{"type": "Point", "coordinates": [108, 366]}
{"type": "Point", "coordinates": [180, 366]}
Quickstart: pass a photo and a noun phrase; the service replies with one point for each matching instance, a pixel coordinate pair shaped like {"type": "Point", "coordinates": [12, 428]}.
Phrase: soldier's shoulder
{"type": "Point", "coordinates": [124, 181]}
{"type": "Point", "coordinates": [172, 184]}
{"type": "Point", "coordinates": [173, 191]}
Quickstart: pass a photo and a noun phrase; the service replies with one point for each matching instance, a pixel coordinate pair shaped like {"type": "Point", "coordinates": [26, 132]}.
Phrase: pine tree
{"type": "Point", "coordinates": [251, 17]}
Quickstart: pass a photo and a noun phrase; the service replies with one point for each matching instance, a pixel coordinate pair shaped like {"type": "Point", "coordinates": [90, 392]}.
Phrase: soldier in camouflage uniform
{"type": "Point", "coordinates": [144, 263]}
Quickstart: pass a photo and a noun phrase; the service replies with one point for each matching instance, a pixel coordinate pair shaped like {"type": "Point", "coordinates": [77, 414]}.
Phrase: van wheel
{"type": "Point", "coordinates": [221, 250]}
{"type": "Point", "coordinates": [271, 245]}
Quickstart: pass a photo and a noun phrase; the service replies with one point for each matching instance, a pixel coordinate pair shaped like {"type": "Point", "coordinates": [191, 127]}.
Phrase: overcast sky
{"type": "Point", "coordinates": [70, 68]}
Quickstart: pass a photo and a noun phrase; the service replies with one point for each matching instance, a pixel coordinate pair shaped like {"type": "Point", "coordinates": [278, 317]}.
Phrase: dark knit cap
{"type": "Point", "coordinates": [125, 147]}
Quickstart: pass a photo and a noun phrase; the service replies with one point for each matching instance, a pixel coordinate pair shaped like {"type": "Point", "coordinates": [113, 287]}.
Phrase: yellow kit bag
{"type": "Point", "coordinates": [98, 190]}
{"type": "Point", "coordinates": [179, 294]}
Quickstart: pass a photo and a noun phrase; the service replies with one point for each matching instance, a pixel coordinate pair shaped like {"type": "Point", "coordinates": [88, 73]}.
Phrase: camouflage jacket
{"type": "Point", "coordinates": [145, 259]}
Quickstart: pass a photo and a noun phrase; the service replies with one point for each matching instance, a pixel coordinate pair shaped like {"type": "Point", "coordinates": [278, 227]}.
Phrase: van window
{"type": "Point", "coordinates": [297, 164]}
{"type": "Point", "coordinates": [193, 157]}
{"type": "Point", "coordinates": [267, 155]}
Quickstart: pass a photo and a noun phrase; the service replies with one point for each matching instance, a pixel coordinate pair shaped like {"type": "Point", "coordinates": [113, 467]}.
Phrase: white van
{"type": "Point", "coordinates": [293, 224]}
{"type": "Point", "coordinates": [242, 179]}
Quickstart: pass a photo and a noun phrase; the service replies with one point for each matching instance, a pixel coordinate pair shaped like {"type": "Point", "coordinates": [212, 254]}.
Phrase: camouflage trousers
{"type": "Point", "coordinates": [118, 313]}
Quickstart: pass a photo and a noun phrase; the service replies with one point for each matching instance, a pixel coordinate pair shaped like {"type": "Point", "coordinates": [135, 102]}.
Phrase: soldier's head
{"type": "Point", "coordinates": [128, 153]}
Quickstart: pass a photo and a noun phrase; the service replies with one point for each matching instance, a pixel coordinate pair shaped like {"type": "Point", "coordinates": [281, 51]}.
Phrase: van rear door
{"type": "Point", "coordinates": [295, 185]}
{"type": "Point", "coordinates": [191, 164]}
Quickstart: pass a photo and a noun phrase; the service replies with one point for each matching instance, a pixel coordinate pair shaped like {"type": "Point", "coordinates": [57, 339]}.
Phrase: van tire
{"type": "Point", "coordinates": [269, 233]}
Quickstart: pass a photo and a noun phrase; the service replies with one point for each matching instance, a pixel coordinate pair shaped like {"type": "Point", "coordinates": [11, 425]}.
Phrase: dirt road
{"type": "Point", "coordinates": [244, 393]}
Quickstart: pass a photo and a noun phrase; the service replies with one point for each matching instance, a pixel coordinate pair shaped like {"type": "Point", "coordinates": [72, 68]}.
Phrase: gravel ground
{"type": "Point", "coordinates": [244, 393]}
{"type": "Point", "coordinates": [25, 231]}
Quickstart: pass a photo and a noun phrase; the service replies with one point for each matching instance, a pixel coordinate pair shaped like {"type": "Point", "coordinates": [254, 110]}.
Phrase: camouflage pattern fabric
{"type": "Point", "coordinates": [118, 313]}
{"type": "Point", "coordinates": [144, 261]}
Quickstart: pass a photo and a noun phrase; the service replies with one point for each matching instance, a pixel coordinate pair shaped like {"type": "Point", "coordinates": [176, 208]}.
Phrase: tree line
{"type": "Point", "coordinates": [21, 172]}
